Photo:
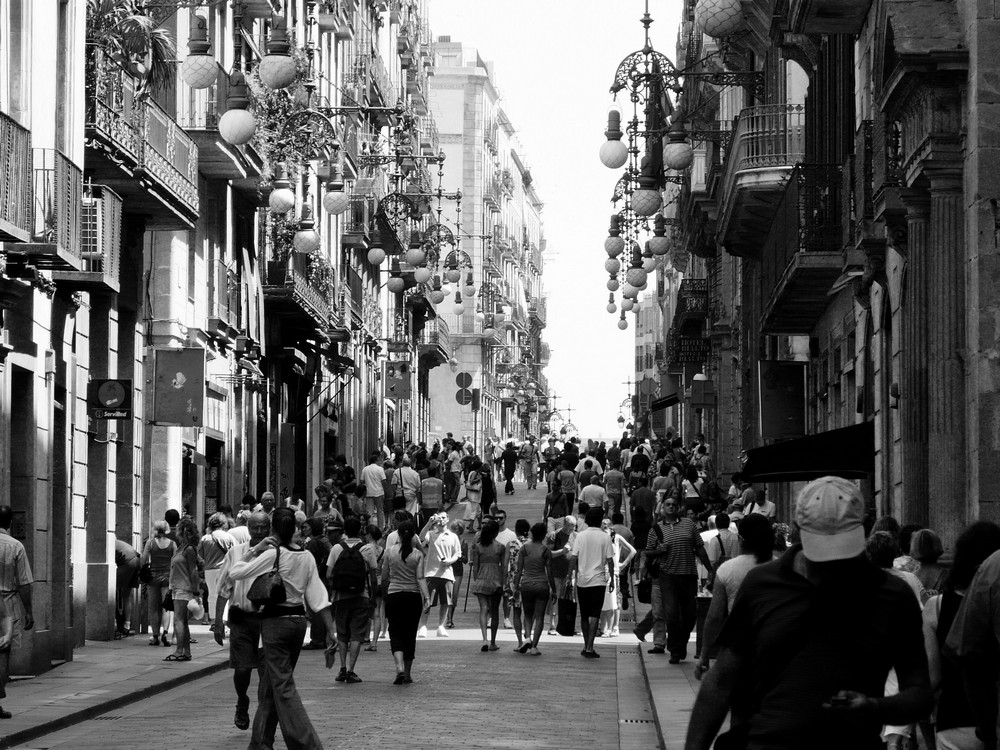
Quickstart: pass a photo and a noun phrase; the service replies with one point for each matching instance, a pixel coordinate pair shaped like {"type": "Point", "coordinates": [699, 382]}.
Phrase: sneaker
{"type": "Point", "coordinates": [342, 675]}
{"type": "Point", "coordinates": [507, 623]}
{"type": "Point", "coordinates": [442, 633]}
{"type": "Point", "coordinates": [675, 660]}
{"type": "Point", "coordinates": [639, 635]}
{"type": "Point", "coordinates": [615, 633]}
{"type": "Point", "coordinates": [656, 650]}
{"type": "Point", "coordinates": [422, 633]}
{"type": "Point", "coordinates": [352, 678]}
{"type": "Point", "coordinates": [592, 655]}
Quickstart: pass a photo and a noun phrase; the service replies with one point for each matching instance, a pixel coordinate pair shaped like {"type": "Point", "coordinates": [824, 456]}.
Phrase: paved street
{"type": "Point", "coordinates": [460, 695]}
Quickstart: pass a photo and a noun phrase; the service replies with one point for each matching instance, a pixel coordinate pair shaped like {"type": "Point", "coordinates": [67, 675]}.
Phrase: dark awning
{"type": "Point", "coordinates": [665, 403]}
{"type": "Point", "coordinates": [340, 363]}
{"type": "Point", "coordinates": [848, 452]}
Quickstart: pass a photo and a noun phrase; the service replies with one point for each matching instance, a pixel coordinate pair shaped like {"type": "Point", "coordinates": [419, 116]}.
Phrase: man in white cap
{"type": "Point", "coordinates": [805, 652]}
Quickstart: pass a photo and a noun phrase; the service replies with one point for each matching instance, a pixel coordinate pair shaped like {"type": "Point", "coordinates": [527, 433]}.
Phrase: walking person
{"type": "Point", "coordinates": [489, 565]}
{"type": "Point", "coordinates": [593, 566]}
{"type": "Point", "coordinates": [406, 596]}
{"type": "Point", "coordinates": [672, 545]}
{"type": "Point", "coordinates": [511, 594]}
{"type": "Point", "coordinates": [458, 569]}
{"type": "Point", "coordinates": [815, 634]}
{"type": "Point", "coordinates": [282, 629]}
{"type": "Point", "coordinates": [474, 486]}
{"type": "Point", "coordinates": [535, 584]}
{"type": "Point", "coordinates": [15, 592]}
{"type": "Point", "coordinates": [351, 572]}
{"type": "Point", "coordinates": [509, 461]}
{"type": "Point", "coordinates": [212, 550]}
{"type": "Point", "coordinates": [431, 496]}
{"type": "Point", "coordinates": [244, 626]}
{"type": "Point", "coordinates": [372, 479]}
{"type": "Point", "coordinates": [126, 582]}
{"type": "Point", "coordinates": [157, 553]}
{"type": "Point", "coordinates": [185, 585]}
{"type": "Point", "coordinates": [444, 549]}
{"type": "Point", "coordinates": [611, 611]}
{"type": "Point", "coordinates": [560, 544]}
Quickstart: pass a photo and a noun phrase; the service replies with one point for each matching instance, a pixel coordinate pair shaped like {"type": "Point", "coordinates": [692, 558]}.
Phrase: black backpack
{"type": "Point", "coordinates": [350, 572]}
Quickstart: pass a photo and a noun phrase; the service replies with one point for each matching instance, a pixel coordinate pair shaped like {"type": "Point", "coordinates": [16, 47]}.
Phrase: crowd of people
{"type": "Point", "coordinates": [835, 630]}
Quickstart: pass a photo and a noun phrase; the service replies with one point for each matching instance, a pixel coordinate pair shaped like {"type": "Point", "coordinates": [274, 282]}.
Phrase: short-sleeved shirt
{"type": "Point", "coordinates": [373, 475]}
{"type": "Point", "coordinates": [298, 572]}
{"type": "Point", "coordinates": [432, 492]}
{"type": "Point", "coordinates": [213, 547]}
{"type": "Point", "coordinates": [560, 565]}
{"type": "Point", "coordinates": [534, 559]}
{"type": "Point", "coordinates": [844, 639]}
{"type": "Point", "coordinates": [234, 591]}
{"type": "Point", "coordinates": [442, 545]}
{"type": "Point", "coordinates": [614, 483]}
{"type": "Point", "coordinates": [567, 482]}
{"type": "Point", "coordinates": [592, 550]}
{"type": "Point", "coordinates": [683, 539]}
{"type": "Point", "coordinates": [14, 568]}
{"type": "Point", "coordinates": [371, 564]}
{"type": "Point", "coordinates": [644, 498]}
{"type": "Point", "coordinates": [594, 495]}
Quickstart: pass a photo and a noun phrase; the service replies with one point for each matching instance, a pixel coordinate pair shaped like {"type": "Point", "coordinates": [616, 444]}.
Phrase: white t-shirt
{"type": "Point", "coordinates": [240, 534]}
{"type": "Point", "coordinates": [298, 571]}
{"type": "Point", "coordinates": [730, 576]}
{"type": "Point", "coordinates": [441, 545]}
{"type": "Point", "coordinates": [592, 549]}
{"type": "Point", "coordinates": [373, 475]}
{"type": "Point", "coordinates": [506, 536]}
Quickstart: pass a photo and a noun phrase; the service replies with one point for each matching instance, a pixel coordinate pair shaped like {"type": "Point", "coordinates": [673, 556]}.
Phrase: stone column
{"type": "Point", "coordinates": [945, 312]}
{"type": "Point", "coordinates": [913, 393]}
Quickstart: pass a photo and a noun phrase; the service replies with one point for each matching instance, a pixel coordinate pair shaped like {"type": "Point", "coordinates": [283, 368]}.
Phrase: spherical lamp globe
{"type": "Point", "coordinates": [613, 154]}
{"type": "Point", "coordinates": [646, 201]}
{"type": "Point", "coordinates": [335, 202]}
{"type": "Point", "coordinates": [622, 324]}
{"type": "Point", "coordinates": [422, 275]}
{"type": "Point", "coordinates": [613, 285]}
{"type": "Point", "coordinates": [614, 246]}
{"type": "Point", "coordinates": [376, 255]}
{"type": "Point", "coordinates": [612, 265]}
{"type": "Point", "coordinates": [414, 256]}
{"type": "Point", "coordinates": [395, 284]}
{"type": "Point", "coordinates": [237, 126]}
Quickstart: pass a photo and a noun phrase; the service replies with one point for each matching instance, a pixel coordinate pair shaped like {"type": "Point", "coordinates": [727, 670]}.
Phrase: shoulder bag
{"type": "Point", "coordinates": [268, 588]}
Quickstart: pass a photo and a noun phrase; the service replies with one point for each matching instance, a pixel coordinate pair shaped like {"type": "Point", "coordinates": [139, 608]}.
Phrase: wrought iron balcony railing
{"type": "Point", "coordinates": [15, 180]}
{"type": "Point", "coordinates": [57, 201]}
{"type": "Point", "coordinates": [100, 243]}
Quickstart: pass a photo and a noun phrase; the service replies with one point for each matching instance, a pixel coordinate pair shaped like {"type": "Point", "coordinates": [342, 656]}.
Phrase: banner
{"type": "Point", "coordinates": [179, 387]}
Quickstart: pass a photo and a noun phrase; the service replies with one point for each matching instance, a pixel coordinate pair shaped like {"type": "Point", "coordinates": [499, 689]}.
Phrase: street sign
{"type": "Point", "coordinates": [463, 380]}
{"type": "Point", "coordinates": [464, 396]}
{"type": "Point", "coordinates": [475, 399]}
{"type": "Point", "coordinates": [110, 399]}
{"type": "Point", "coordinates": [179, 386]}
{"type": "Point", "coordinates": [690, 349]}
{"type": "Point", "coordinates": [397, 380]}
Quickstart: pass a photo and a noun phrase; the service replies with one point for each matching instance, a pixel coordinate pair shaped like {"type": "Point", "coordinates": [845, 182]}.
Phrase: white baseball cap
{"type": "Point", "coordinates": [830, 515]}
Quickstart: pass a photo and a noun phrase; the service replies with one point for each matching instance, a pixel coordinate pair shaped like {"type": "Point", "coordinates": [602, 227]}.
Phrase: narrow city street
{"type": "Point", "coordinates": [460, 695]}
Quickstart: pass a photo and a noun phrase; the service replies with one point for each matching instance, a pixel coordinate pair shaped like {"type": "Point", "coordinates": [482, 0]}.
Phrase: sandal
{"type": "Point", "coordinates": [164, 640]}
{"type": "Point", "coordinates": [154, 641]}
{"type": "Point", "coordinates": [177, 657]}
{"type": "Point", "coordinates": [371, 648]}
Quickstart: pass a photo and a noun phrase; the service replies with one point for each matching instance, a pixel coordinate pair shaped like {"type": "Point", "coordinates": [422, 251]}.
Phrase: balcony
{"type": "Point", "coordinates": [356, 293]}
{"type": "Point", "coordinates": [101, 244]}
{"type": "Point", "coordinates": [337, 17]}
{"type": "Point", "coordinates": [802, 256]}
{"type": "Point", "coordinates": [828, 16]}
{"type": "Point", "coordinates": [300, 290]}
{"type": "Point", "coordinates": [538, 310]}
{"type": "Point", "coordinates": [15, 181]}
{"type": "Point", "coordinates": [544, 353]}
{"type": "Point", "coordinates": [416, 87]}
{"type": "Point", "coordinates": [138, 150]}
{"type": "Point", "coordinates": [692, 306]}
{"type": "Point", "coordinates": [57, 202]}
{"type": "Point", "coordinates": [218, 159]}
{"type": "Point", "coordinates": [434, 343]}
{"type": "Point", "coordinates": [491, 132]}
{"type": "Point", "coordinates": [359, 222]}
{"type": "Point", "coordinates": [407, 43]}
{"type": "Point", "coordinates": [767, 142]}
{"type": "Point", "coordinates": [224, 303]}
{"type": "Point", "coordinates": [493, 194]}
{"type": "Point", "coordinates": [534, 257]}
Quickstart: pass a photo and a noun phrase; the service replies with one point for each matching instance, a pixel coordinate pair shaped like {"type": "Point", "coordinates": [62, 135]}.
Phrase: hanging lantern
{"type": "Point", "coordinates": [376, 255]}
{"type": "Point", "coordinates": [199, 69]}
{"type": "Point", "coordinates": [612, 266]}
{"type": "Point", "coordinates": [614, 153]}
{"type": "Point", "coordinates": [237, 124]}
{"type": "Point", "coordinates": [613, 284]}
{"type": "Point", "coordinates": [499, 318]}
{"type": "Point", "coordinates": [422, 275]}
{"type": "Point", "coordinates": [459, 308]}
{"type": "Point", "coordinates": [396, 282]}
{"type": "Point", "coordinates": [630, 291]}
{"type": "Point", "coordinates": [719, 18]}
{"type": "Point", "coordinates": [306, 239]}
{"type": "Point", "coordinates": [470, 289]}
{"type": "Point", "coordinates": [646, 201]}
{"type": "Point", "coordinates": [614, 244]}
{"type": "Point", "coordinates": [612, 308]}
{"type": "Point", "coordinates": [677, 152]}
{"type": "Point", "coordinates": [622, 323]}
{"type": "Point", "coordinates": [437, 294]}
{"type": "Point", "coordinates": [659, 244]}
{"type": "Point", "coordinates": [414, 256]}
{"type": "Point", "coordinates": [282, 199]}
{"type": "Point", "coordinates": [648, 262]}
{"type": "Point", "coordinates": [277, 68]}
{"type": "Point", "coordinates": [635, 276]}
{"type": "Point", "coordinates": [336, 200]}
{"type": "Point", "coordinates": [628, 303]}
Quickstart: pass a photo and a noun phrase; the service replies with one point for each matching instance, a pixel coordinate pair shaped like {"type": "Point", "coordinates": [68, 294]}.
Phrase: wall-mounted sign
{"type": "Point", "coordinates": [179, 387]}
{"type": "Point", "coordinates": [110, 399]}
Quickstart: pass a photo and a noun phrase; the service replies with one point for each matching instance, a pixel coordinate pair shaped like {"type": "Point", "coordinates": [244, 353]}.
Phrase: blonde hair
{"type": "Point", "coordinates": [161, 527]}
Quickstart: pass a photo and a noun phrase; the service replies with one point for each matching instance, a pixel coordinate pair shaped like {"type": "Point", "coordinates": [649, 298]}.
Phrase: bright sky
{"type": "Point", "coordinates": [555, 61]}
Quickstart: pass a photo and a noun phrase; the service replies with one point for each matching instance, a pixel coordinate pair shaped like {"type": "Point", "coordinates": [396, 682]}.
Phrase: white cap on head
{"type": "Point", "coordinates": [830, 514]}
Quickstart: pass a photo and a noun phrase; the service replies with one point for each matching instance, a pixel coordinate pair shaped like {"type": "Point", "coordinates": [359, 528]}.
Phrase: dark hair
{"type": "Point", "coordinates": [887, 524]}
{"type": "Point", "coordinates": [973, 546]}
{"type": "Point", "coordinates": [665, 469]}
{"type": "Point", "coordinates": [316, 526]}
{"type": "Point", "coordinates": [757, 535]}
{"type": "Point", "coordinates": [522, 526]}
{"type": "Point", "coordinates": [924, 546]}
{"type": "Point", "coordinates": [374, 532]}
{"type": "Point", "coordinates": [722, 520]}
{"type": "Point", "coordinates": [321, 489]}
{"type": "Point", "coordinates": [882, 548]}
{"type": "Point", "coordinates": [538, 532]}
{"type": "Point", "coordinates": [352, 526]}
{"type": "Point", "coordinates": [906, 533]}
{"type": "Point", "coordinates": [225, 509]}
{"type": "Point", "coordinates": [283, 524]}
{"type": "Point", "coordinates": [691, 474]}
{"type": "Point", "coordinates": [736, 477]}
{"type": "Point", "coordinates": [6, 516]}
{"type": "Point", "coordinates": [172, 516]}
{"type": "Point", "coordinates": [405, 531]}
{"type": "Point", "coordinates": [616, 464]}
{"type": "Point", "coordinates": [187, 532]}
{"type": "Point", "coordinates": [594, 516]}
{"type": "Point", "coordinates": [488, 533]}
{"type": "Point", "coordinates": [617, 518]}
{"type": "Point", "coordinates": [583, 508]}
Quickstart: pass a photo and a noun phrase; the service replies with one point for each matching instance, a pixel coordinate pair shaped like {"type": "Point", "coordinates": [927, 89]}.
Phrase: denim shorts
{"type": "Point", "coordinates": [183, 595]}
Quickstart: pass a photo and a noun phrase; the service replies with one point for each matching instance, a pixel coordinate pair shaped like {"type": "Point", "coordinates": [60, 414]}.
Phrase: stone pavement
{"type": "Point", "coordinates": [122, 695]}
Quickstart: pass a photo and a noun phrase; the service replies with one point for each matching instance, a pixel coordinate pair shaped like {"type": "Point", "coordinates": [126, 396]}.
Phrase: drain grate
{"type": "Point", "coordinates": [628, 651]}
{"type": "Point", "coordinates": [109, 717]}
{"type": "Point", "coordinates": [636, 721]}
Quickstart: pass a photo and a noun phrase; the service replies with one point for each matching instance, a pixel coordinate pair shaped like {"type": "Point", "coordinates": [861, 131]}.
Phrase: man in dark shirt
{"type": "Point", "coordinates": [642, 497]}
{"type": "Point", "coordinates": [811, 638]}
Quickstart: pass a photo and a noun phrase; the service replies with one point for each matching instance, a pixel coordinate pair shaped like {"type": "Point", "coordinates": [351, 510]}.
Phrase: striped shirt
{"type": "Point", "coordinates": [683, 539]}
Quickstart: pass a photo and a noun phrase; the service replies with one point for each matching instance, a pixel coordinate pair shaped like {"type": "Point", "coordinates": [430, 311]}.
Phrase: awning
{"type": "Point", "coordinates": [665, 403]}
{"type": "Point", "coordinates": [848, 452]}
{"type": "Point", "coordinates": [340, 363]}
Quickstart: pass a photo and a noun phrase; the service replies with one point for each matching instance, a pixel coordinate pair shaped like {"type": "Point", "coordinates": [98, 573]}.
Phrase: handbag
{"type": "Point", "coordinates": [268, 588]}
{"type": "Point", "coordinates": [644, 591]}
{"type": "Point", "coordinates": [146, 573]}
{"type": "Point", "coordinates": [653, 563]}
{"type": "Point", "coordinates": [566, 622]}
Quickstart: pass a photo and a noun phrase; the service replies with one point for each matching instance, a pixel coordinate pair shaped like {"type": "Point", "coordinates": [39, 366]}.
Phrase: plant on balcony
{"type": "Point", "coordinates": [281, 231]}
{"type": "Point", "coordinates": [322, 277]}
{"type": "Point", "coordinates": [123, 32]}
{"type": "Point", "coordinates": [272, 109]}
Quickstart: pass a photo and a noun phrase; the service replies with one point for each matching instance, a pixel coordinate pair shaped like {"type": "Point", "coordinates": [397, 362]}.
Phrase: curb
{"type": "Point", "coordinates": [652, 702]}
{"type": "Point", "coordinates": [85, 714]}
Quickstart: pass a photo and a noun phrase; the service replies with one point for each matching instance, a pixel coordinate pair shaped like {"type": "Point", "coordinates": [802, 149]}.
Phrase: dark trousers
{"type": "Point", "coordinates": [402, 610]}
{"type": "Point", "coordinates": [675, 609]}
{"type": "Point", "coordinates": [278, 700]}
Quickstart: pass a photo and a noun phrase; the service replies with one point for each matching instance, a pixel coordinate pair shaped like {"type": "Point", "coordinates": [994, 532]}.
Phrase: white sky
{"type": "Point", "coordinates": [554, 63]}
